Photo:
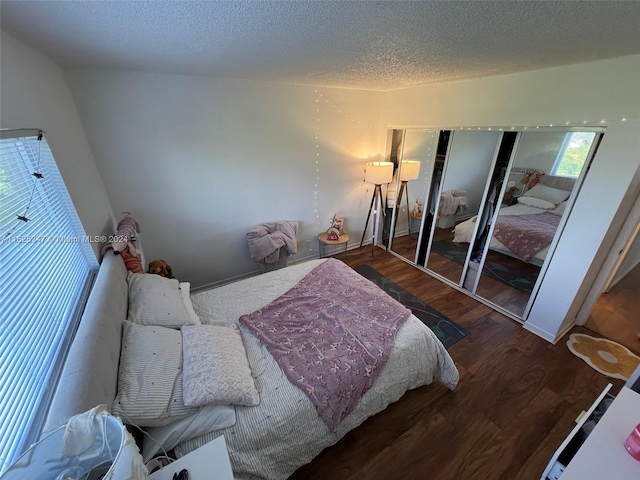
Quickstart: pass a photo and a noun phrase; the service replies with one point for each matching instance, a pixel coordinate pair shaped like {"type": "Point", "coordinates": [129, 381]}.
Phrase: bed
{"type": "Point", "coordinates": [270, 439]}
{"type": "Point", "coordinates": [526, 229]}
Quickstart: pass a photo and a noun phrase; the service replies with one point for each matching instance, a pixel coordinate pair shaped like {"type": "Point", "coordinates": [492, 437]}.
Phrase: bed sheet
{"type": "Point", "coordinates": [273, 439]}
{"type": "Point", "coordinates": [463, 231]}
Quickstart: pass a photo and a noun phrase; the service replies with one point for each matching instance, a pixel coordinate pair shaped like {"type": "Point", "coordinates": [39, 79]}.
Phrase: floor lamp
{"type": "Point", "coordinates": [409, 170]}
{"type": "Point", "coordinates": [377, 173]}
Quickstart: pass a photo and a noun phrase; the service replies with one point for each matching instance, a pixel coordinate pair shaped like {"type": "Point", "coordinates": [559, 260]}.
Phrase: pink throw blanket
{"type": "Point", "coordinates": [266, 239]}
{"type": "Point", "coordinates": [526, 235]}
{"type": "Point", "coordinates": [453, 201]}
{"type": "Point", "coordinates": [332, 334]}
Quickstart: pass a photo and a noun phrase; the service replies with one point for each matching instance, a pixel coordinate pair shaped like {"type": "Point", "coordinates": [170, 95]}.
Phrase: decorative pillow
{"type": "Point", "coordinates": [208, 419]}
{"type": "Point", "coordinates": [185, 290]}
{"type": "Point", "coordinates": [216, 369]}
{"type": "Point", "coordinates": [156, 300]}
{"type": "Point", "coordinates": [150, 387]}
{"type": "Point", "coordinates": [559, 210]}
{"type": "Point", "coordinates": [536, 202]}
{"type": "Point", "coordinates": [550, 194]}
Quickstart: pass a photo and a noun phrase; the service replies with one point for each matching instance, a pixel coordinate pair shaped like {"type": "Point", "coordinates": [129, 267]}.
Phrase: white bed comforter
{"type": "Point", "coordinates": [273, 439]}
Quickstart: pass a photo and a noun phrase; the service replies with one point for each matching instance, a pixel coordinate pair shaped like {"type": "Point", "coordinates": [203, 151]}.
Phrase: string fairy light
{"type": "Point", "coordinates": [572, 124]}
{"type": "Point", "coordinates": [332, 111]}
{"type": "Point", "coordinates": [21, 218]}
{"type": "Point", "coordinates": [318, 99]}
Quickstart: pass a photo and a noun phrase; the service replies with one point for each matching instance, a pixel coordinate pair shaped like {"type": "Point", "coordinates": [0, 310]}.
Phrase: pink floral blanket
{"type": "Point", "coordinates": [526, 235]}
{"type": "Point", "coordinates": [331, 334]}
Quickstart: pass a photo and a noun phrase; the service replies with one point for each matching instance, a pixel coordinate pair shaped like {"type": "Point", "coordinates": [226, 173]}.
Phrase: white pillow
{"type": "Point", "coordinates": [216, 368]}
{"type": "Point", "coordinates": [156, 300]}
{"type": "Point", "coordinates": [550, 194]}
{"type": "Point", "coordinates": [185, 290]}
{"type": "Point", "coordinates": [208, 419]}
{"type": "Point", "coordinates": [536, 202]}
{"type": "Point", "coordinates": [150, 379]}
{"type": "Point", "coordinates": [559, 210]}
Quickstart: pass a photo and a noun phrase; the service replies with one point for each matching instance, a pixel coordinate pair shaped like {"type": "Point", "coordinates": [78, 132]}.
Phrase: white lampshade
{"type": "Point", "coordinates": [410, 170]}
{"type": "Point", "coordinates": [98, 443]}
{"type": "Point", "coordinates": [379, 173]}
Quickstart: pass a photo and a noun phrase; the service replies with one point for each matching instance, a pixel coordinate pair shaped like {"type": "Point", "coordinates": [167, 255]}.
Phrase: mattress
{"type": "Point", "coordinates": [284, 432]}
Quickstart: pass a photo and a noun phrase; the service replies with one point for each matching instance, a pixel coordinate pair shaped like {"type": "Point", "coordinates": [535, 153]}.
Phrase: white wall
{"type": "Point", "coordinates": [35, 94]}
{"type": "Point", "coordinates": [630, 261]}
{"type": "Point", "coordinates": [200, 161]}
{"type": "Point", "coordinates": [582, 94]}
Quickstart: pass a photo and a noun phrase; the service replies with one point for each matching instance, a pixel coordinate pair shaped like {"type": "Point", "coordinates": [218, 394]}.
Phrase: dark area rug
{"type": "Point", "coordinates": [522, 279]}
{"type": "Point", "coordinates": [447, 331]}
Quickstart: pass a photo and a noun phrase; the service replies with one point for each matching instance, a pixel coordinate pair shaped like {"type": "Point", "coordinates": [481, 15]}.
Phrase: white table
{"type": "Point", "coordinates": [602, 455]}
{"type": "Point", "coordinates": [209, 462]}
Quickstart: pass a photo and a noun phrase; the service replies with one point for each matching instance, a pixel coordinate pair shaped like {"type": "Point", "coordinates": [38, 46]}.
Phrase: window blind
{"type": "Point", "coordinates": [47, 267]}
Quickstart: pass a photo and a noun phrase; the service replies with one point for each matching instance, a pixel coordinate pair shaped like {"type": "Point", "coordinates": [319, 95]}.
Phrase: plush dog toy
{"type": "Point", "coordinates": [125, 236]}
{"type": "Point", "coordinates": [160, 267]}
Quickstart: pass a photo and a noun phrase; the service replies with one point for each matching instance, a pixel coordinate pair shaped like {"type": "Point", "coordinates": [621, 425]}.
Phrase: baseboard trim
{"type": "Point", "coordinates": [244, 276]}
{"type": "Point", "coordinates": [541, 332]}
{"type": "Point", "coordinates": [548, 336]}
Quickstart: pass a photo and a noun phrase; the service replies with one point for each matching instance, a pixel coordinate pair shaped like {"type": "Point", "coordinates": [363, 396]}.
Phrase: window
{"type": "Point", "coordinates": [573, 154]}
{"type": "Point", "coordinates": [47, 269]}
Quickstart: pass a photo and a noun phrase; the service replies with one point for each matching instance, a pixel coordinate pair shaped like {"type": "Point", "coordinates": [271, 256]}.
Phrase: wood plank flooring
{"type": "Point", "coordinates": [517, 400]}
{"type": "Point", "coordinates": [497, 292]}
{"type": "Point", "coordinates": [615, 314]}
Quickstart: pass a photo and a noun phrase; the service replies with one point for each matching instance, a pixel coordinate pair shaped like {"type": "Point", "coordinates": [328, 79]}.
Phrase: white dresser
{"type": "Point", "coordinates": [602, 455]}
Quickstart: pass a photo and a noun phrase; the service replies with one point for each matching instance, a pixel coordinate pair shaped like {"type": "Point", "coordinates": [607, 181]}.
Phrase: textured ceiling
{"type": "Point", "coordinates": [354, 44]}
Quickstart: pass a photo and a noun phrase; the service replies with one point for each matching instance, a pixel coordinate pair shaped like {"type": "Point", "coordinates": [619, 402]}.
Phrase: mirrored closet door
{"type": "Point", "coordinates": [416, 162]}
{"type": "Point", "coordinates": [469, 160]}
{"type": "Point", "coordinates": [488, 207]}
{"type": "Point", "coordinates": [535, 200]}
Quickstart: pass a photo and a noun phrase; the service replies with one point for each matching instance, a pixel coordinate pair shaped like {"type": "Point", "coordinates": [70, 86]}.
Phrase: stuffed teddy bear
{"type": "Point", "coordinates": [125, 236]}
{"type": "Point", "coordinates": [160, 267]}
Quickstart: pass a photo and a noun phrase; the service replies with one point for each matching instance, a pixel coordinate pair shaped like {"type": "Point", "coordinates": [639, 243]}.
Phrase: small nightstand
{"type": "Point", "coordinates": [323, 241]}
{"type": "Point", "coordinates": [201, 463]}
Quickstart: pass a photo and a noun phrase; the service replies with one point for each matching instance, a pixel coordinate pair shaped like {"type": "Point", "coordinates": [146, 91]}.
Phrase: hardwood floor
{"type": "Point", "coordinates": [615, 314]}
{"type": "Point", "coordinates": [497, 292]}
{"type": "Point", "coordinates": [517, 399]}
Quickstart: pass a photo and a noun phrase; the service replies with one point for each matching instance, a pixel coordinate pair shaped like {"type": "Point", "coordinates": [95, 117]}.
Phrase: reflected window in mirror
{"type": "Point", "coordinates": [573, 154]}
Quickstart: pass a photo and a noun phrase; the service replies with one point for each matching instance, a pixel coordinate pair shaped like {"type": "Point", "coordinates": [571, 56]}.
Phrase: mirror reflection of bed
{"type": "Point", "coordinates": [498, 291]}
{"type": "Point", "coordinates": [521, 239]}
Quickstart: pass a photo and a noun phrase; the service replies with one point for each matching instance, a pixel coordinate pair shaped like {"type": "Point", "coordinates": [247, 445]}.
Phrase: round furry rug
{"type": "Point", "coordinates": [607, 357]}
